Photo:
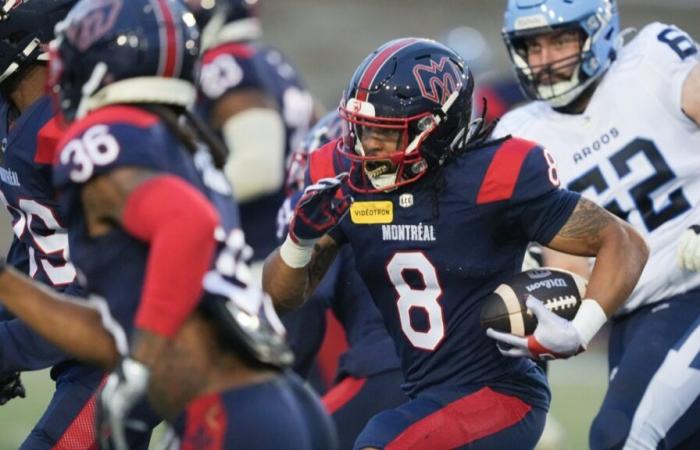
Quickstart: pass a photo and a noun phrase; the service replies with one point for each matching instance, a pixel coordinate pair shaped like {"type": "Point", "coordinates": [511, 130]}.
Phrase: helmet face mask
{"type": "Point", "coordinates": [26, 28]}
{"type": "Point", "coordinates": [597, 24]}
{"type": "Point", "coordinates": [416, 93]}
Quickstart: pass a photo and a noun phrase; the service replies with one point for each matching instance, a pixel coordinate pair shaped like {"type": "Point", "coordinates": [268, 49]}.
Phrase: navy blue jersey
{"type": "Point", "coordinates": [370, 348]}
{"type": "Point", "coordinates": [114, 264]}
{"type": "Point", "coordinates": [40, 243]}
{"type": "Point", "coordinates": [430, 252]}
{"type": "Point", "coordinates": [255, 66]}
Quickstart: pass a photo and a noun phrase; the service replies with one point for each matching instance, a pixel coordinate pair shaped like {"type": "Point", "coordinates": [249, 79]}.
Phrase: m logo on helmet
{"type": "Point", "coordinates": [93, 23]}
{"type": "Point", "coordinates": [437, 80]}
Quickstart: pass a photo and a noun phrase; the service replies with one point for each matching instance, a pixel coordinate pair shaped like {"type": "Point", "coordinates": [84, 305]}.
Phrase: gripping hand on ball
{"type": "Point", "coordinates": [554, 337]}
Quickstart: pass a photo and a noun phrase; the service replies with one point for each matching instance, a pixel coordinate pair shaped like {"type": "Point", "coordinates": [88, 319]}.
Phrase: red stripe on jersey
{"type": "Point", "coordinates": [376, 64]}
{"type": "Point", "coordinates": [206, 424]}
{"type": "Point", "coordinates": [236, 50]}
{"type": "Point", "coordinates": [342, 393]}
{"type": "Point", "coordinates": [321, 162]}
{"type": "Point", "coordinates": [170, 42]}
{"type": "Point", "coordinates": [47, 142]}
{"type": "Point", "coordinates": [502, 174]}
{"type": "Point", "coordinates": [81, 432]}
{"type": "Point", "coordinates": [473, 417]}
{"type": "Point", "coordinates": [109, 115]}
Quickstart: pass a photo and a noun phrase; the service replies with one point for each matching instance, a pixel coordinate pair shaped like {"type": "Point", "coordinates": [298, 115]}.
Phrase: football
{"type": "Point", "coordinates": [561, 292]}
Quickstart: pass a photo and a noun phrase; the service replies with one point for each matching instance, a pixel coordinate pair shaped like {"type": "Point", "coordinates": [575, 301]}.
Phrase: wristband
{"type": "Point", "coordinates": [588, 320]}
{"type": "Point", "coordinates": [296, 255]}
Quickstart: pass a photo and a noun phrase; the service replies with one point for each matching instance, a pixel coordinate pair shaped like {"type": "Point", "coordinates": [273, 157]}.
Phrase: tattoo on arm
{"type": "Point", "coordinates": [586, 222]}
{"type": "Point", "coordinates": [323, 257]}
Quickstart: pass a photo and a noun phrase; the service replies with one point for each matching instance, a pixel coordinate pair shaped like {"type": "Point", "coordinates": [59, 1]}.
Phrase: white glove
{"type": "Point", "coordinates": [125, 387]}
{"type": "Point", "coordinates": [688, 254]}
{"type": "Point", "coordinates": [554, 337]}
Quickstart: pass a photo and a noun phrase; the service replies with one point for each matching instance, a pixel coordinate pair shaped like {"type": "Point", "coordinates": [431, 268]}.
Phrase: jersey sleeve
{"type": "Point", "coordinates": [523, 177]}
{"type": "Point", "coordinates": [110, 138]}
{"type": "Point", "coordinates": [668, 55]}
{"type": "Point", "coordinates": [228, 68]}
{"type": "Point", "coordinates": [23, 349]}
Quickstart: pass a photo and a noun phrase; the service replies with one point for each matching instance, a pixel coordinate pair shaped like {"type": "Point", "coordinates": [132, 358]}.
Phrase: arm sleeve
{"type": "Point", "coordinates": [178, 223]}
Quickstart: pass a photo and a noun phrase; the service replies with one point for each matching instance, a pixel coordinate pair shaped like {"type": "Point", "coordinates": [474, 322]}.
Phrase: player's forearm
{"type": "Point", "coordinates": [619, 264]}
{"type": "Point", "coordinates": [74, 328]}
{"type": "Point", "coordinates": [286, 286]}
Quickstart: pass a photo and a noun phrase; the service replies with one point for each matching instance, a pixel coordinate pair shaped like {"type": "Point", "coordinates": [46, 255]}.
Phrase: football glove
{"type": "Point", "coordinates": [10, 387]}
{"type": "Point", "coordinates": [554, 337]}
{"type": "Point", "coordinates": [319, 209]}
{"type": "Point", "coordinates": [124, 388]}
{"type": "Point", "coordinates": [688, 254]}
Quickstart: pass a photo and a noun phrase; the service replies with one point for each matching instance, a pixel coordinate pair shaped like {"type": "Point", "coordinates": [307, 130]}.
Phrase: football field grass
{"type": "Point", "coordinates": [577, 384]}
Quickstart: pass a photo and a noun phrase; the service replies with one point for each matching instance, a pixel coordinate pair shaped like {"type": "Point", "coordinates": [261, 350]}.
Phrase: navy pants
{"type": "Point", "coordinates": [652, 399]}
{"type": "Point", "coordinates": [474, 418]}
{"type": "Point", "coordinates": [353, 401]}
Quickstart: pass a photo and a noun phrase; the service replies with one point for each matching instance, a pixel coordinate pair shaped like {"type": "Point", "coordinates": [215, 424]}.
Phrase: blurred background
{"type": "Point", "coordinates": [327, 39]}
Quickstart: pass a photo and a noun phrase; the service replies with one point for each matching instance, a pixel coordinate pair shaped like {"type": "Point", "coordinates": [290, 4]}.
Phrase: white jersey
{"type": "Point", "coordinates": [633, 151]}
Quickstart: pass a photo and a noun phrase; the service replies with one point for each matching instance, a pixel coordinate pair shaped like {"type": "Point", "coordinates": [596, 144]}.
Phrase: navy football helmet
{"type": "Point", "coordinates": [124, 51]}
{"type": "Point", "coordinates": [224, 21]}
{"type": "Point", "coordinates": [597, 23]}
{"type": "Point", "coordinates": [26, 28]}
{"type": "Point", "coordinates": [417, 87]}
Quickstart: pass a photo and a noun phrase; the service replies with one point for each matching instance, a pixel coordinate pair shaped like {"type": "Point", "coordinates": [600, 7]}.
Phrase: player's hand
{"type": "Point", "coordinates": [319, 209]}
{"type": "Point", "coordinates": [688, 254]}
{"type": "Point", "coordinates": [124, 388]}
{"type": "Point", "coordinates": [554, 337]}
{"type": "Point", "coordinates": [10, 387]}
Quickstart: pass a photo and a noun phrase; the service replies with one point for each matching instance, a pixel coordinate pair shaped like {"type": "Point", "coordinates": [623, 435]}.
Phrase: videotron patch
{"type": "Point", "coordinates": [370, 213]}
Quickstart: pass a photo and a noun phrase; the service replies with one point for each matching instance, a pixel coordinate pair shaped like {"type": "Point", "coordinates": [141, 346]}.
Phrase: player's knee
{"type": "Point", "coordinates": [609, 430]}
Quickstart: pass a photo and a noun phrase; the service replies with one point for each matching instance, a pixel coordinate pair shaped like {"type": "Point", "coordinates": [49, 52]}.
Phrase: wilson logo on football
{"type": "Point", "coordinates": [547, 284]}
{"type": "Point", "coordinates": [438, 80]}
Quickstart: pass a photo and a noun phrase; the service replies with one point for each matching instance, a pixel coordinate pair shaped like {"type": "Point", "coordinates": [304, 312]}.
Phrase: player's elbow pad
{"type": "Point", "coordinates": [257, 140]}
{"type": "Point", "coordinates": [178, 223]}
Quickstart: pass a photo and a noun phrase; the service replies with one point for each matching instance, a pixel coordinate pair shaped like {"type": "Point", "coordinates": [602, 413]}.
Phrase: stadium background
{"type": "Point", "coordinates": [327, 39]}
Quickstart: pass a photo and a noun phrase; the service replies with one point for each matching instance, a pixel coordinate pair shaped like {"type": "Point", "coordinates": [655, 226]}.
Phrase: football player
{"type": "Point", "coordinates": [440, 218]}
{"type": "Point", "coordinates": [369, 376]}
{"type": "Point", "coordinates": [618, 118]}
{"type": "Point", "coordinates": [29, 133]}
{"type": "Point", "coordinates": [153, 231]}
{"type": "Point", "coordinates": [253, 96]}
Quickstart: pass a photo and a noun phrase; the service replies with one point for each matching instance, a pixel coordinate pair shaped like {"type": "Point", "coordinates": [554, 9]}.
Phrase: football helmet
{"type": "Point", "coordinates": [223, 21]}
{"type": "Point", "coordinates": [123, 51]}
{"type": "Point", "coordinates": [596, 21]}
{"type": "Point", "coordinates": [416, 88]}
{"type": "Point", "coordinates": [26, 27]}
{"type": "Point", "coordinates": [328, 128]}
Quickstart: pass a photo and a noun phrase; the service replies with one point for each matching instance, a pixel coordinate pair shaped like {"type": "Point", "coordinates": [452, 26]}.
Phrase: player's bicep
{"type": "Point", "coordinates": [104, 197]}
{"type": "Point", "coordinates": [585, 230]}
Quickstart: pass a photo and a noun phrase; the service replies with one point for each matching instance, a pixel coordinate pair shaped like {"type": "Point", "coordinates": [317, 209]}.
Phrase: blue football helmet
{"type": "Point", "coordinates": [124, 51]}
{"type": "Point", "coordinates": [415, 86]}
{"type": "Point", "coordinates": [596, 21]}
{"type": "Point", "coordinates": [223, 21]}
{"type": "Point", "coordinates": [325, 130]}
{"type": "Point", "coordinates": [26, 28]}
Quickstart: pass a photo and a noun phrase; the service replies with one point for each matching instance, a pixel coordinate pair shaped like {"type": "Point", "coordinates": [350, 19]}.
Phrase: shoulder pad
{"type": "Point", "coordinates": [47, 140]}
{"type": "Point", "coordinates": [504, 170]}
{"type": "Point", "coordinates": [322, 162]}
